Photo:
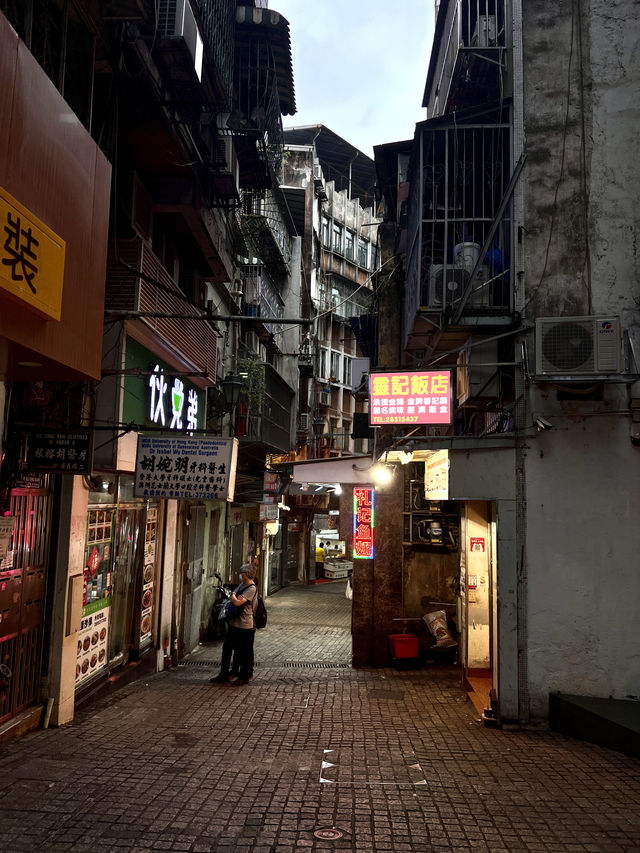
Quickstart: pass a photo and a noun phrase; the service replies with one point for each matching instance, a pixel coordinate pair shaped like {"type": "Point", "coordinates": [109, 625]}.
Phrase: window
{"type": "Point", "coordinates": [349, 245]}
{"type": "Point", "coordinates": [337, 237]}
{"type": "Point", "coordinates": [346, 371]}
{"type": "Point", "coordinates": [326, 231]}
{"type": "Point", "coordinates": [346, 434]}
{"type": "Point", "coordinates": [335, 365]}
{"type": "Point", "coordinates": [322, 366]}
{"type": "Point", "coordinates": [363, 252]}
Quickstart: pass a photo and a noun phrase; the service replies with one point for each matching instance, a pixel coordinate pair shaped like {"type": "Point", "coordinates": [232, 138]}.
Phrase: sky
{"type": "Point", "coordinates": [359, 67]}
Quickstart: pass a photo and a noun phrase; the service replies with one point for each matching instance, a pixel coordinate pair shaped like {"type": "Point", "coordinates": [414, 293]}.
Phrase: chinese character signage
{"type": "Point", "coordinates": [436, 476]}
{"type": "Point", "coordinates": [62, 452]}
{"type": "Point", "coordinates": [7, 526]}
{"type": "Point", "coordinates": [363, 524]}
{"type": "Point", "coordinates": [93, 637]}
{"type": "Point", "coordinates": [269, 512]}
{"type": "Point", "coordinates": [171, 403]}
{"type": "Point", "coordinates": [183, 467]}
{"type": "Point", "coordinates": [31, 258]}
{"type": "Point", "coordinates": [422, 397]}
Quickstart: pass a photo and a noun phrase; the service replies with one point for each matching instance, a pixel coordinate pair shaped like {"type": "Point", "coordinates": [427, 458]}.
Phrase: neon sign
{"type": "Point", "coordinates": [422, 397]}
{"type": "Point", "coordinates": [363, 524]}
{"type": "Point", "coordinates": [176, 406]}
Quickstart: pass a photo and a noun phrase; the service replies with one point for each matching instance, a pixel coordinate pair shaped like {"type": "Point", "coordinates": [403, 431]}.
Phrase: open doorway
{"type": "Point", "coordinates": [477, 606]}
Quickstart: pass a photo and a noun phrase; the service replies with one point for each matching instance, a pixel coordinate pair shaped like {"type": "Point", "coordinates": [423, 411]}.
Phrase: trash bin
{"type": "Point", "coordinates": [404, 650]}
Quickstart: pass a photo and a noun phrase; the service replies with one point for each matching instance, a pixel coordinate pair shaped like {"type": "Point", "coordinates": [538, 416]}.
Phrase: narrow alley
{"type": "Point", "coordinates": [312, 755]}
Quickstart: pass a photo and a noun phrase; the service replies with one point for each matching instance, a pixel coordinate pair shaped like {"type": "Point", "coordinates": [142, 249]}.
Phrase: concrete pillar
{"type": "Point", "coordinates": [67, 609]}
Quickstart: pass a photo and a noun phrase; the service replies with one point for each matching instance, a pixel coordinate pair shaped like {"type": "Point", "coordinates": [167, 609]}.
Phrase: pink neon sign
{"type": "Point", "coordinates": [363, 524]}
{"type": "Point", "coordinates": [422, 397]}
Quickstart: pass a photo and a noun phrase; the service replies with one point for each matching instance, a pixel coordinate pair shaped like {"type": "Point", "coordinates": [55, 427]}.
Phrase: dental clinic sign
{"type": "Point", "coordinates": [184, 467]}
{"type": "Point", "coordinates": [422, 397]}
{"type": "Point", "coordinates": [171, 403]}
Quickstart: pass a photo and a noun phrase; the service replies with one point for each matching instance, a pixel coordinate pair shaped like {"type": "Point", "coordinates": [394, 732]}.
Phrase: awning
{"type": "Point", "coordinates": [273, 26]}
{"type": "Point", "coordinates": [350, 470]}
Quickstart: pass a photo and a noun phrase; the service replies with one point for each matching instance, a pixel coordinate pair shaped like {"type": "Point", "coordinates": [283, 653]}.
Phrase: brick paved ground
{"type": "Point", "coordinates": [395, 760]}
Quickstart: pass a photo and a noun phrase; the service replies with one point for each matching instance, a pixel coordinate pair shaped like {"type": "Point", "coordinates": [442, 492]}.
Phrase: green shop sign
{"type": "Point", "coordinates": [159, 397]}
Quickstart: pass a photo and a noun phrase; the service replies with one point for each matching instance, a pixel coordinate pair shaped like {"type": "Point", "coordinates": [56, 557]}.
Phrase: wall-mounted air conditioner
{"type": "Point", "coordinates": [578, 346]}
{"type": "Point", "coordinates": [304, 421]}
{"type": "Point", "coordinates": [446, 284]}
{"type": "Point", "coordinates": [325, 398]}
{"type": "Point", "coordinates": [177, 21]}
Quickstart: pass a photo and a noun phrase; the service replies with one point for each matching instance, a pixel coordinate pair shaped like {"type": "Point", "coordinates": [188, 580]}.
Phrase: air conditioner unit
{"type": "Point", "coordinates": [177, 21]}
{"type": "Point", "coordinates": [446, 284]}
{"type": "Point", "coordinates": [325, 398]}
{"type": "Point", "coordinates": [304, 421]}
{"type": "Point", "coordinates": [448, 288]}
{"type": "Point", "coordinates": [578, 346]}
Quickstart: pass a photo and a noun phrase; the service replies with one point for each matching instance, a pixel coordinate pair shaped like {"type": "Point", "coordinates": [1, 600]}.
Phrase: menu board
{"type": "Point", "coordinates": [92, 650]}
{"type": "Point", "coordinates": [148, 577]}
{"type": "Point", "coordinates": [92, 645]}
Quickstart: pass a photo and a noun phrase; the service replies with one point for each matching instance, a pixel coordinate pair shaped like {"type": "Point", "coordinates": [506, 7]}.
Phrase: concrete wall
{"type": "Point", "coordinates": [582, 130]}
{"type": "Point", "coordinates": [69, 562]}
{"type": "Point", "coordinates": [582, 551]}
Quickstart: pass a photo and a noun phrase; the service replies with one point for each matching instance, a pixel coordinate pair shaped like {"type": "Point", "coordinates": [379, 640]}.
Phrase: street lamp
{"type": "Point", "coordinates": [231, 385]}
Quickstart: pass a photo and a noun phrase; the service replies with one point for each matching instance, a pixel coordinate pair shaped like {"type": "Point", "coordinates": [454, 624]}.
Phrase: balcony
{"type": "Point", "coordinates": [264, 92]}
{"type": "Point", "coordinates": [261, 299]}
{"type": "Point", "coordinates": [269, 419]}
{"type": "Point", "coordinates": [263, 225]}
{"type": "Point", "coordinates": [469, 64]}
{"type": "Point", "coordinates": [194, 340]}
{"type": "Point", "coordinates": [459, 225]}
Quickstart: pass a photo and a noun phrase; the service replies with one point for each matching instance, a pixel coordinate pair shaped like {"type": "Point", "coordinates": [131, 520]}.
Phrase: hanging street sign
{"type": "Point", "coordinates": [422, 397]}
{"type": "Point", "coordinates": [59, 452]}
{"type": "Point", "coordinates": [363, 524]}
{"type": "Point", "coordinates": [170, 402]}
{"type": "Point", "coordinates": [178, 466]}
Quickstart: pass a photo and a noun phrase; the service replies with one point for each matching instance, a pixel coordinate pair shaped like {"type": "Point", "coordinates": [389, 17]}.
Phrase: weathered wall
{"type": "Point", "coordinates": [582, 126]}
{"type": "Point", "coordinates": [582, 561]}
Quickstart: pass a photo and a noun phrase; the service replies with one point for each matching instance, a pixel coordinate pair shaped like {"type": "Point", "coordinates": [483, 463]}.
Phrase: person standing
{"type": "Point", "coordinates": [320, 554]}
{"type": "Point", "coordinates": [241, 632]}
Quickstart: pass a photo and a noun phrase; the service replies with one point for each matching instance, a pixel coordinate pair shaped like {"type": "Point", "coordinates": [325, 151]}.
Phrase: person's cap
{"type": "Point", "coordinates": [248, 570]}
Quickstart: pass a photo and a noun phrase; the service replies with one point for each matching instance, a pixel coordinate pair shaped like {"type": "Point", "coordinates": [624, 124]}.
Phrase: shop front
{"type": "Point", "coordinates": [52, 281]}
{"type": "Point", "coordinates": [442, 566]}
{"type": "Point", "coordinates": [121, 579]}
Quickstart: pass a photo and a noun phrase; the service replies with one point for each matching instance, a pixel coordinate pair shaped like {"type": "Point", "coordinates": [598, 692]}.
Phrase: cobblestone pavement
{"type": "Point", "coordinates": [384, 760]}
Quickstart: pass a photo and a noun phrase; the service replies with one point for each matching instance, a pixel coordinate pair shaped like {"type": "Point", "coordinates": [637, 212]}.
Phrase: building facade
{"type": "Point", "coordinates": [150, 267]}
{"type": "Point", "coordinates": [513, 216]}
{"type": "Point", "coordinates": [329, 187]}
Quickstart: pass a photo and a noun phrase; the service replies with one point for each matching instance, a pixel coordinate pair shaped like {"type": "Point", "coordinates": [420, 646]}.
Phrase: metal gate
{"type": "Point", "coordinates": [22, 595]}
{"type": "Point", "coordinates": [193, 567]}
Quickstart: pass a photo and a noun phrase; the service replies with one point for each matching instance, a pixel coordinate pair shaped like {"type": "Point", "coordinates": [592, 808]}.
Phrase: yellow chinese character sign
{"type": "Point", "coordinates": [31, 258]}
{"type": "Point", "coordinates": [421, 397]}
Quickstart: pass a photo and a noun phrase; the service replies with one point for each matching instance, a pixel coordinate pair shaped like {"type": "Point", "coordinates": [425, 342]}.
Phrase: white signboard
{"type": "Point", "coordinates": [183, 467]}
{"type": "Point", "coordinates": [269, 512]}
{"type": "Point", "coordinates": [436, 476]}
{"type": "Point", "coordinates": [7, 523]}
{"type": "Point", "coordinates": [170, 404]}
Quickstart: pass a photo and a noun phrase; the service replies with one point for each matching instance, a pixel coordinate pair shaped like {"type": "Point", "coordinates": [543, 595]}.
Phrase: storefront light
{"type": "Point", "coordinates": [382, 474]}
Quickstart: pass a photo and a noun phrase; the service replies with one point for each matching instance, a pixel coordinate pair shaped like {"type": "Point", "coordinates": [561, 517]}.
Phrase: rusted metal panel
{"type": "Point", "coordinates": [22, 596]}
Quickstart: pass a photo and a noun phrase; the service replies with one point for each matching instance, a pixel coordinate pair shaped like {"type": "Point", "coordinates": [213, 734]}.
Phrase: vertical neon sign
{"type": "Point", "coordinates": [363, 524]}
